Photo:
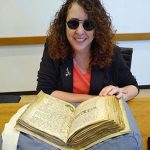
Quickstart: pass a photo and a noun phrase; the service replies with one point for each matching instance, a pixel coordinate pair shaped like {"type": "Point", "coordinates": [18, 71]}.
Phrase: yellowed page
{"type": "Point", "coordinates": [50, 115]}
{"type": "Point", "coordinates": [87, 113]}
{"type": "Point", "coordinates": [95, 110]}
{"type": "Point", "coordinates": [124, 131]}
{"type": "Point", "coordinates": [125, 118]}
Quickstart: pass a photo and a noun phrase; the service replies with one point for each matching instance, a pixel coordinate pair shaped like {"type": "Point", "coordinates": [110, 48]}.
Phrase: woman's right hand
{"type": "Point", "coordinates": [113, 90]}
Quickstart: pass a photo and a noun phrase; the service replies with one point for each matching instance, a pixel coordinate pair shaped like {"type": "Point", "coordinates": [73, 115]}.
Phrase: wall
{"type": "Point", "coordinates": [19, 64]}
{"type": "Point", "coordinates": [132, 17]}
{"type": "Point", "coordinates": [129, 16]}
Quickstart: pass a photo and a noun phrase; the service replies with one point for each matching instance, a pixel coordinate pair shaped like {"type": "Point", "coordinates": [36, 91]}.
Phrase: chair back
{"type": "Point", "coordinates": [127, 55]}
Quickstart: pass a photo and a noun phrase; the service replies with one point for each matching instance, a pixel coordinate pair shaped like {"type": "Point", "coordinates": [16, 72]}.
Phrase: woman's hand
{"type": "Point", "coordinates": [113, 90]}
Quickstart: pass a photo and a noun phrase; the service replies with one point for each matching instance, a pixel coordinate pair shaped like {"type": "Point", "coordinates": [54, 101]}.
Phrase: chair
{"type": "Point", "coordinates": [127, 55]}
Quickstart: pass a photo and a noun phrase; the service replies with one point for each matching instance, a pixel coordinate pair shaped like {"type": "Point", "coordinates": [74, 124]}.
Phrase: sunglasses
{"type": "Point", "coordinates": [88, 25]}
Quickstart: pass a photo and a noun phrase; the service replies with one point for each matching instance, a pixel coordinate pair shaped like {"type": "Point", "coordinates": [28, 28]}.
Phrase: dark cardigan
{"type": "Point", "coordinates": [58, 75]}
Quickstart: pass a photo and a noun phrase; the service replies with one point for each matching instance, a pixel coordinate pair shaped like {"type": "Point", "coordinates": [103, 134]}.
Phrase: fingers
{"type": "Point", "coordinates": [119, 95]}
{"type": "Point", "coordinates": [108, 90]}
{"type": "Point", "coordinates": [113, 90]}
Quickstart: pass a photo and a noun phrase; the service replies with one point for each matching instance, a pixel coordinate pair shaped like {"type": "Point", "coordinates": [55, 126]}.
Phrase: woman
{"type": "Point", "coordinates": [80, 58]}
{"type": "Point", "coordinates": [80, 61]}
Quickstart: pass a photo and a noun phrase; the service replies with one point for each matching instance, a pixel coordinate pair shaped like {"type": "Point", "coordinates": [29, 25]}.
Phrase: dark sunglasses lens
{"type": "Point", "coordinates": [88, 25]}
{"type": "Point", "coordinates": [73, 24]}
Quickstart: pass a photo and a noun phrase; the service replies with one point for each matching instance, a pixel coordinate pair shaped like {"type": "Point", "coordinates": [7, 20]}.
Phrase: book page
{"type": "Point", "coordinates": [50, 115]}
{"type": "Point", "coordinates": [83, 114]}
{"type": "Point", "coordinates": [124, 131]}
{"type": "Point", "coordinates": [95, 110]}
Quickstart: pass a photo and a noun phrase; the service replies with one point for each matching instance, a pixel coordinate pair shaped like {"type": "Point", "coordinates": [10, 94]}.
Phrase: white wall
{"type": "Point", "coordinates": [18, 67]}
{"type": "Point", "coordinates": [19, 64]}
{"type": "Point", "coordinates": [129, 16]}
{"type": "Point", "coordinates": [26, 17]}
{"type": "Point", "coordinates": [140, 60]}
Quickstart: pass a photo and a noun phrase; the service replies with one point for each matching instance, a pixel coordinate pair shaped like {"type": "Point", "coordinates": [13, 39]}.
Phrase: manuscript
{"type": "Point", "coordinates": [65, 126]}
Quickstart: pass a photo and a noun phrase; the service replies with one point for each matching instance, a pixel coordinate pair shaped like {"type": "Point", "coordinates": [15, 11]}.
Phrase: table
{"type": "Point", "coordinates": [7, 110]}
{"type": "Point", "coordinates": [140, 108]}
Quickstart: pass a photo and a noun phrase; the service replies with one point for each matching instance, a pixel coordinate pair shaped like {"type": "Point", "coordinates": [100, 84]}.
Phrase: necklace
{"type": "Point", "coordinates": [83, 68]}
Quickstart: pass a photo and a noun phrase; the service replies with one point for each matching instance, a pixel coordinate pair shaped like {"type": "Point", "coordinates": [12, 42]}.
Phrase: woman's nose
{"type": "Point", "coordinates": [80, 29]}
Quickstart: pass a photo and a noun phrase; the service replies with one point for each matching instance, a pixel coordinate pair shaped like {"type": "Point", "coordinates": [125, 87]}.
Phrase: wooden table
{"type": "Point", "coordinates": [7, 110]}
{"type": "Point", "coordinates": [141, 110]}
{"type": "Point", "coordinates": [139, 106]}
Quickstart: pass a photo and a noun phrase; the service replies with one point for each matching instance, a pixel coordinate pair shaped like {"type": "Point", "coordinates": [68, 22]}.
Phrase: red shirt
{"type": "Point", "coordinates": [81, 81]}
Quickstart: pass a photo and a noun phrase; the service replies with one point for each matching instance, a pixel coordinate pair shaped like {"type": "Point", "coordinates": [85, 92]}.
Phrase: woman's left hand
{"type": "Point", "coordinates": [113, 90]}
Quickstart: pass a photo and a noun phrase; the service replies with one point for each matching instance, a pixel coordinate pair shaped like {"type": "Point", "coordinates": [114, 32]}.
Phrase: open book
{"type": "Point", "coordinates": [62, 125]}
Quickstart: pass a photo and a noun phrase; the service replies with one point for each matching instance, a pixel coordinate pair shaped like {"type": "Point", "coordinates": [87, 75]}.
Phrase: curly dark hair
{"type": "Point", "coordinates": [102, 44]}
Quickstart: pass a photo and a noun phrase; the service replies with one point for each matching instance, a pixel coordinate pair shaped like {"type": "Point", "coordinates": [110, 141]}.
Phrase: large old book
{"type": "Point", "coordinates": [64, 126]}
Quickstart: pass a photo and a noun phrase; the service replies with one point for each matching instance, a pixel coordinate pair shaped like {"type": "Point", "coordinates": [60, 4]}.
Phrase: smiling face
{"type": "Point", "coordinates": [79, 38]}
